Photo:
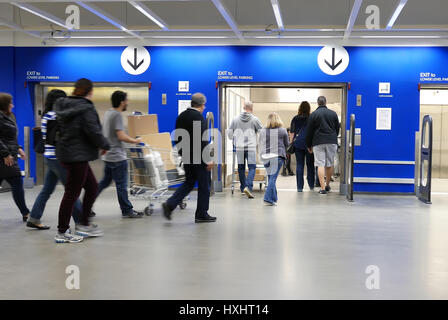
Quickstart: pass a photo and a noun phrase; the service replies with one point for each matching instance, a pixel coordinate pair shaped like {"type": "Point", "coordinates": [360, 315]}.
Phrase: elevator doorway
{"type": "Point", "coordinates": [434, 102]}
{"type": "Point", "coordinates": [138, 96]}
{"type": "Point", "coordinates": [283, 98]}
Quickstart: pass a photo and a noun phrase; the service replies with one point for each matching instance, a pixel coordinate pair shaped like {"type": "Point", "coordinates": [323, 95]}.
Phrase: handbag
{"type": "Point", "coordinates": [9, 171]}
{"type": "Point", "coordinates": [291, 149]}
{"type": "Point", "coordinates": [39, 144]}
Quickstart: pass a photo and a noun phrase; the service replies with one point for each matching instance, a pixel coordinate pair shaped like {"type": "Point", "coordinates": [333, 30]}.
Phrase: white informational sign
{"type": "Point", "coordinates": [383, 118]}
{"type": "Point", "coordinates": [333, 60]}
{"type": "Point", "coordinates": [135, 60]}
{"type": "Point", "coordinates": [183, 105]}
{"type": "Point", "coordinates": [184, 86]}
{"type": "Point", "coordinates": [384, 88]}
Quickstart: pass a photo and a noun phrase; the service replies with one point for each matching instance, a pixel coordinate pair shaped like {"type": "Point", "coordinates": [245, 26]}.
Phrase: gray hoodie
{"type": "Point", "coordinates": [243, 130]}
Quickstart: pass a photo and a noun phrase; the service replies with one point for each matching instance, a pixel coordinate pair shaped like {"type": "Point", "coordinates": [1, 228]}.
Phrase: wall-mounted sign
{"type": "Point", "coordinates": [333, 60]}
{"type": "Point", "coordinates": [384, 88]}
{"type": "Point", "coordinates": [184, 86]}
{"type": "Point", "coordinates": [383, 118]}
{"type": "Point", "coordinates": [183, 105]}
{"type": "Point", "coordinates": [135, 60]}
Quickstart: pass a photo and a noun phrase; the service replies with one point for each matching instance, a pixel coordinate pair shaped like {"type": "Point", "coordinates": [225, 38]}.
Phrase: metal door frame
{"type": "Point", "coordinates": [39, 100]}
{"type": "Point", "coordinates": [222, 87]}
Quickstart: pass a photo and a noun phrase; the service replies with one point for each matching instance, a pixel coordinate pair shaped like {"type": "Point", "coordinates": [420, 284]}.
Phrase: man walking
{"type": "Point", "coordinates": [322, 139]}
{"type": "Point", "coordinates": [115, 163]}
{"type": "Point", "coordinates": [191, 142]}
{"type": "Point", "coordinates": [243, 130]}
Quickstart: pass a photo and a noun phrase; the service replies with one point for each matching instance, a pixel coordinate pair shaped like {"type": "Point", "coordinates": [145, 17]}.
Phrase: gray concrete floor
{"type": "Point", "coordinates": [308, 247]}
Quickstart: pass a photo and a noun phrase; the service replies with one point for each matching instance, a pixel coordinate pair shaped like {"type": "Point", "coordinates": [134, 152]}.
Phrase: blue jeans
{"type": "Point", "coordinates": [193, 173]}
{"type": "Point", "coordinates": [301, 157]}
{"type": "Point", "coordinates": [273, 167]}
{"type": "Point", "coordinates": [55, 172]}
{"type": "Point", "coordinates": [18, 194]}
{"type": "Point", "coordinates": [249, 157]}
{"type": "Point", "coordinates": [118, 172]}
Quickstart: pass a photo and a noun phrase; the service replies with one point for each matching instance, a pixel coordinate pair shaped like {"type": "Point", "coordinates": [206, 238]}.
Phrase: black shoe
{"type": "Point", "coordinates": [92, 214]}
{"type": "Point", "coordinates": [322, 191]}
{"type": "Point", "coordinates": [327, 188]}
{"type": "Point", "coordinates": [35, 226]}
{"type": "Point", "coordinates": [166, 211]}
{"type": "Point", "coordinates": [284, 173]}
{"type": "Point", "coordinates": [291, 173]}
{"type": "Point", "coordinates": [25, 218]}
{"type": "Point", "coordinates": [206, 218]}
{"type": "Point", "coordinates": [133, 215]}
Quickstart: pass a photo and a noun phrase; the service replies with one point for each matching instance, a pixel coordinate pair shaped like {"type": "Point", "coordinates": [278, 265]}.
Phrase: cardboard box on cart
{"type": "Point", "coordinates": [161, 141]}
{"type": "Point", "coordinates": [140, 125]}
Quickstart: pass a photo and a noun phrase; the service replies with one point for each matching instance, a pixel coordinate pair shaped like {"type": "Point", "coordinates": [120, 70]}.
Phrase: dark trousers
{"type": "Point", "coordinates": [79, 176]}
{"type": "Point", "coordinates": [301, 157]}
{"type": "Point", "coordinates": [118, 172]}
{"type": "Point", "coordinates": [18, 194]}
{"type": "Point", "coordinates": [55, 172]}
{"type": "Point", "coordinates": [193, 173]}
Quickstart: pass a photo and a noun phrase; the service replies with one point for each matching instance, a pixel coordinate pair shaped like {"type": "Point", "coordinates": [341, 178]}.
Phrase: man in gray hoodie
{"type": "Point", "coordinates": [243, 131]}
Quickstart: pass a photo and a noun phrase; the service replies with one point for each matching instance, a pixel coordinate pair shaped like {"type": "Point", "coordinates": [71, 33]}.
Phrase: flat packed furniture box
{"type": "Point", "coordinates": [161, 142]}
{"type": "Point", "coordinates": [140, 125]}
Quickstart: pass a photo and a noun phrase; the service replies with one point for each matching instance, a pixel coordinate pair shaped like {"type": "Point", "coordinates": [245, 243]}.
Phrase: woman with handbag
{"type": "Point", "coordinates": [9, 151]}
{"type": "Point", "coordinates": [297, 136]}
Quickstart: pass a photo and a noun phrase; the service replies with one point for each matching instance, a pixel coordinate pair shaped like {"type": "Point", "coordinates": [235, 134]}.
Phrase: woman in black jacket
{"type": "Point", "coordinates": [79, 140]}
{"type": "Point", "coordinates": [9, 151]}
{"type": "Point", "coordinates": [298, 135]}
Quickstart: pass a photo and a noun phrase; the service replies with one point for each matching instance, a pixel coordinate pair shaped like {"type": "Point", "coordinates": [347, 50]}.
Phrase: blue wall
{"type": "Point", "coordinates": [200, 65]}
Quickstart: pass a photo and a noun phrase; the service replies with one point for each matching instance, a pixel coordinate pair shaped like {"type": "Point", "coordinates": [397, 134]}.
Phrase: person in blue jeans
{"type": "Point", "coordinates": [115, 160]}
{"type": "Point", "coordinates": [243, 131]}
{"type": "Point", "coordinates": [273, 145]}
{"type": "Point", "coordinates": [298, 135]}
{"type": "Point", "coordinates": [55, 171]}
{"type": "Point", "coordinates": [9, 151]}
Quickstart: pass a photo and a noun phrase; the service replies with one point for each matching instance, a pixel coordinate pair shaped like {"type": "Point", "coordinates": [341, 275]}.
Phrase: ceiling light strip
{"type": "Point", "coordinates": [40, 13]}
{"type": "Point", "coordinates": [225, 14]}
{"type": "Point", "coordinates": [395, 15]}
{"type": "Point", "coordinates": [352, 19]}
{"type": "Point", "coordinates": [149, 14]}
{"type": "Point", "coordinates": [277, 14]}
{"type": "Point", "coordinates": [106, 17]}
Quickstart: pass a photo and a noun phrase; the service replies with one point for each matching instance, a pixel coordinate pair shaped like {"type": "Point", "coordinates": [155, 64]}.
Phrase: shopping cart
{"type": "Point", "coordinates": [151, 172]}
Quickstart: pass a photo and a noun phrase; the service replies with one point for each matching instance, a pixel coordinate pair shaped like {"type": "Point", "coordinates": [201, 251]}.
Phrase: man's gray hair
{"type": "Point", "coordinates": [248, 105]}
{"type": "Point", "coordinates": [321, 101]}
{"type": "Point", "coordinates": [197, 100]}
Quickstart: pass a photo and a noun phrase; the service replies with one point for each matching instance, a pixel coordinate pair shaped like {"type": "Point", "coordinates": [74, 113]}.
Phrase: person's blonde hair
{"type": "Point", "coordinates": [274, 121]}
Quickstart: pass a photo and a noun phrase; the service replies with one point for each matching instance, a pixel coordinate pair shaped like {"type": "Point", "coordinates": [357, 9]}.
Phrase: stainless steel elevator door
{"type": "Point", "coordinates": [438, 110]}
{"type": "Point", "coordinates": [138, 96]}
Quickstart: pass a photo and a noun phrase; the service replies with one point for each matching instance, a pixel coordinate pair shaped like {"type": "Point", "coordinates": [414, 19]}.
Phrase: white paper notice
{"type": "Point", "coordinates": [383, 118]}
{"type": "Point", "coordinates": [183, 105]}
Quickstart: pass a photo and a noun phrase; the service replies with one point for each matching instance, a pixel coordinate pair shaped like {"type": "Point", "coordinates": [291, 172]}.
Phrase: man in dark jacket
{"type": "Point", "coordinates": [79, 140]}
{"type": "Point", "coordinates": [190, 129]}
{"type": "Point", "coordinates": [322, 140]}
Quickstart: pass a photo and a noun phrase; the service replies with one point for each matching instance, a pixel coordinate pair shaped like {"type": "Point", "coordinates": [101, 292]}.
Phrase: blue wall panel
{"type": "Point", "coordinates": [200, 65]}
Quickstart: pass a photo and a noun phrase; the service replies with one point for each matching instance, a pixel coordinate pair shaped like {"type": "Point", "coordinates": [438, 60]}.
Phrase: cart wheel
{"type": "Point", "coordinates": [149, 211]}
{"type": "Point", "coordinates": [233, 190]}
{"type": "Point", "coordinates": [132, 192]}
{"type": "Point", "coordinates": [261, 186]}
{"type": "Point", "coordinates": [183, 205]}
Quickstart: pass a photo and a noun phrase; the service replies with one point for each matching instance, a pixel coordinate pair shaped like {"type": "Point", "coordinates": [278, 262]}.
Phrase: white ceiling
{"type": "Point", "coordinates": [227, 22]}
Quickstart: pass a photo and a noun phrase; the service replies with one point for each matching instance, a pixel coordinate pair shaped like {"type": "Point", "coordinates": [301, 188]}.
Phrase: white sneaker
{"type": "Point", "coordinates": [269, 204]}
{"type": "Point", "coordinates": [248, 193]}
{"type": "Point", "coordinates": [67, 237]}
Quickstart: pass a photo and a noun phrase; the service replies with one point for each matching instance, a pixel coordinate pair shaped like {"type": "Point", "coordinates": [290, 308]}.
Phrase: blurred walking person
{"type": "Point", "coordinates": [273, 145]}
{"type": "Point", "coordinates": [322, 140]}
{"type": "Point", "coordinates": [80, 139]}
{"type": "Point", "coordinates": [243, 131]}
{"type": "Point", "coordinates": [10, 150]}
{"type": "Point", "coordinates": [298, 135]}
{"type": "Point", "coordinates": [55, 171]}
